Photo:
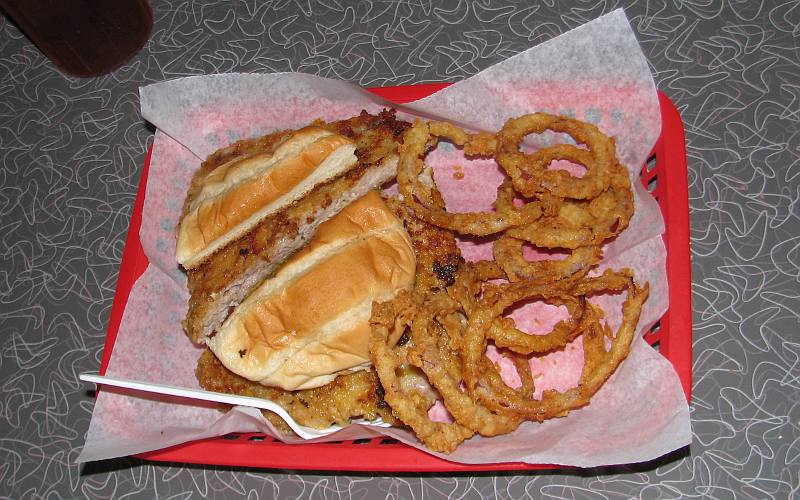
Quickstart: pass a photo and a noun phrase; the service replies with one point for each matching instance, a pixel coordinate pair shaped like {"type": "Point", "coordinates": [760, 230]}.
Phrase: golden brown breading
{"type": "Point", "coordinates": [350, 396]}
{"type": "Point", "coordinates": [355, 395]}
{"type": "Point", "coordinates": [438, 257]}
{"type": "Point", "coordinates": [223, 280]}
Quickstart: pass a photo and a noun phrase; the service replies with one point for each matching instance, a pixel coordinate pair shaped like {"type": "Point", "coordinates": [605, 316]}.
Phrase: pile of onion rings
{"type": "Point", "coordinates": [562, 212]}
{"type": "Point", "coordinates": [440, 335]}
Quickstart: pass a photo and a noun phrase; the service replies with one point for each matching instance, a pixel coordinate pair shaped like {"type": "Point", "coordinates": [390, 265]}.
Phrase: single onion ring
{"type": "Point", "coordinates": [442, 370]}
{"type": "Point", "coordinates": [508, 255]}
{"type": "Point", "coordinates": [597, 160]}
{"type": "Point", "coordinates": [582, 223]}
{"type": "Point", "coordinates": [425, 199]}
{"type": "Point", "coordinates": [505, 334]}
{"type": "Point", "coordinates": [564, 224]}
{"type": "Point", "coordinates": [599, 364]}
{"type": "Point", "coordinates": [438, 436]}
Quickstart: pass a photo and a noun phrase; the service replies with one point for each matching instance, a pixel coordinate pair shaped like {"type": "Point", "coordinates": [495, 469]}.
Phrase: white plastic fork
{"type": "Point", "coordinates": [218, 397]}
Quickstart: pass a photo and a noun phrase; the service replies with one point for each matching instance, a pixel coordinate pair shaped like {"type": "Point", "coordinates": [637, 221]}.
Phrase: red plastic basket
{"type": "Point", "coordinates": [665, 176]}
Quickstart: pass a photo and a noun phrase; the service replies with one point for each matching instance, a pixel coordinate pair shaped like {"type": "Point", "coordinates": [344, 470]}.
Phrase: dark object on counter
{"type": "Point", "coordinates": [84, 37]}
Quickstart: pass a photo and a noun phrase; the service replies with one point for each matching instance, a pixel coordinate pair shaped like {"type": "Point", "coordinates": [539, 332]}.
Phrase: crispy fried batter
{"type": "Point", "coordinates": [438, 257]}
{"type": "Point", "coordinates": [229, 274]}
{"type": "Point", "coordinates": [350, 396]}
{"type": "Point", "coordinates": [356, 395]}
{"type": "Point", "coordinates": [449, 331]}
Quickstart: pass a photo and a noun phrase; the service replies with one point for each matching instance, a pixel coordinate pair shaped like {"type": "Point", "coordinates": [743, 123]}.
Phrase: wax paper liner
{"type": "Point", "coordinates": [595, 72]}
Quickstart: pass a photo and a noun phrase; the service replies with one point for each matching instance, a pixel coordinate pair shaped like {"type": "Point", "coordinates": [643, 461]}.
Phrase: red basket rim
{"type": "Point", "coordinates": [674, 337]}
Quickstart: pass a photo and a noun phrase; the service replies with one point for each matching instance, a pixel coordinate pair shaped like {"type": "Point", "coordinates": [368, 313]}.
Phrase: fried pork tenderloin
{"type": "Point", "coordinates": [221, 281]}
{"type": "Point", "coordinates": [351, 395]}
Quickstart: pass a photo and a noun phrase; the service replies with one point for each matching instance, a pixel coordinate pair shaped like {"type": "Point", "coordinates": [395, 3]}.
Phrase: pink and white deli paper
{"type": "Point", "coordinates": [596, 72]}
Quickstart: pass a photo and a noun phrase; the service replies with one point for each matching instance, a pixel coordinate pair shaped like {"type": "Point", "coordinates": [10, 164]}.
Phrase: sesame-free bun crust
{"type": "Point", "coordinates": [236, 196]}
{"type": "Point", "coordinates": [310, 321]}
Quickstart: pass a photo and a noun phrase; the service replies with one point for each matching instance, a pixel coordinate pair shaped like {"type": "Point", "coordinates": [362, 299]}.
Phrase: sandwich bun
{"type": "Point", "coordinates": [310, 321]}
{"type": "Point", "coordinates": [236, 196]}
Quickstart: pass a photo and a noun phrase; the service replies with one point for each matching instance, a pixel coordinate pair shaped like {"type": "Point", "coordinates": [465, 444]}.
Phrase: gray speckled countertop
{"type": "Point", "coordinates": [71, 152]}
